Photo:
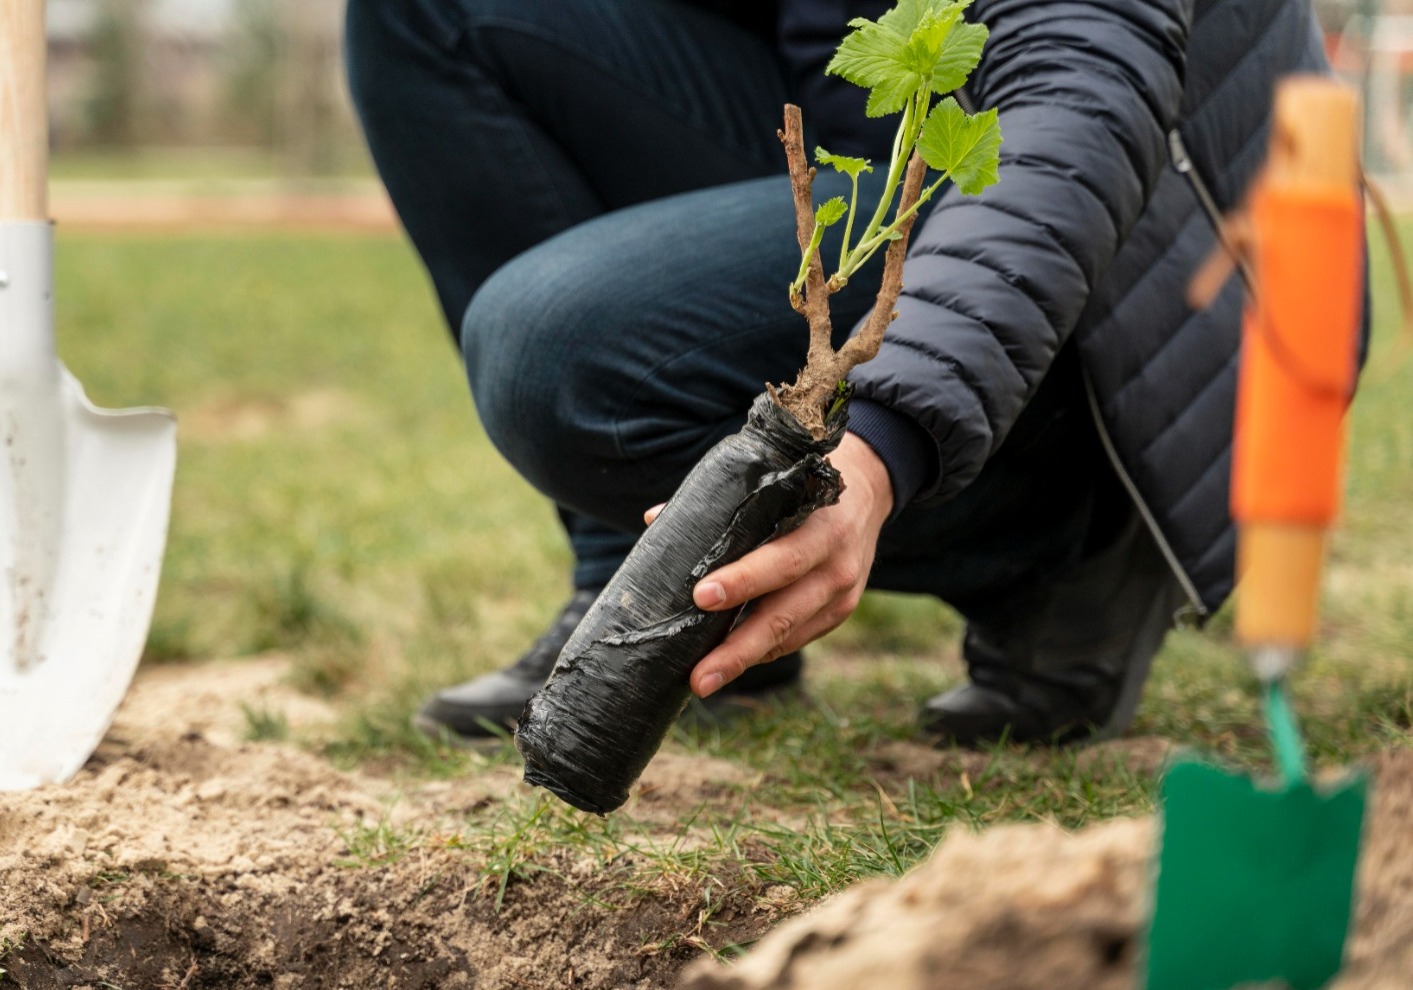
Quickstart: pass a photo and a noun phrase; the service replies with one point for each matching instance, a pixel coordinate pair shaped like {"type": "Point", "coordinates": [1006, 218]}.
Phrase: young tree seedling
{"type": "Point", "coordinates": [623, 676]}
{"type": "Point", "coordinates": [919, 50]}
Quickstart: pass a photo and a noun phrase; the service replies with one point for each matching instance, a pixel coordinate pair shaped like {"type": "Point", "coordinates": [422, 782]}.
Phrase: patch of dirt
{"type": "Point", "coordinates": [1025, 907]}
{"type": "Point", "coordinates": [183, 857]}
{"type": "Point", "coordinates": [242, 420]}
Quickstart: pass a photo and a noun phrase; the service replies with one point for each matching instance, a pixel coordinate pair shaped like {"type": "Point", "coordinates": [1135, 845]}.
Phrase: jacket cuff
{"type": "Point", "coordinates": [906, 449]}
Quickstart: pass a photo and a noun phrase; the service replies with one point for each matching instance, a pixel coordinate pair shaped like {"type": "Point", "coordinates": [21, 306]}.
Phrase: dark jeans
{"type": "Point", "coordinates": [598, 193]}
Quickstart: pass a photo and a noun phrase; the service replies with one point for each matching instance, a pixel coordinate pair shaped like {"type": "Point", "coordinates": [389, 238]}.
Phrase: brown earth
{"type": "Point", "coordinates": [1026, 907]}
{"type": "Point", "coordinates": [183, 856]}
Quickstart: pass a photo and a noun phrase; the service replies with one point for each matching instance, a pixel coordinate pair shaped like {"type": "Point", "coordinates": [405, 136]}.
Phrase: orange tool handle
{"type": "Point", "coordinates": [1298, 356]}
{"type": "Point", "coordinates": [1298, 361]}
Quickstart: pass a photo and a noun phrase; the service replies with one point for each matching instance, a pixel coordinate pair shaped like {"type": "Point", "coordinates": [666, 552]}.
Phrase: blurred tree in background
{"type": "Point", "coordinates": [264, 76]}
{"type": "Point", "coordinates": [257, 75]}
{"type": "Point", "coordinates": [252, 72]}
{"type": "Point", "coordinates": [115, 104]}
{"type": "Point", "coordinates": [284, 83]}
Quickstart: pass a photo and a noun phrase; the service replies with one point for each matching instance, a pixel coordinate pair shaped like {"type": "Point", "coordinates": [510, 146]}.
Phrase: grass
{"type": "Point", "coordinates": [337, 501]}
{"type": "Point", "coordinates": [210, 167]}
{"type": "Point", "coordinates": [263, 724]}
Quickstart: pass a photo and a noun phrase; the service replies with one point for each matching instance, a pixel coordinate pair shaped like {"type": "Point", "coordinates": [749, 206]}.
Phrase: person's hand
{"type": "Point", "coordinates": [805, 583]}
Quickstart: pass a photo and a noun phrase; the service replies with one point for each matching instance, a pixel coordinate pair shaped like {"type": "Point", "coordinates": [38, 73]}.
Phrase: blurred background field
{"type": "Point", "coordinates": [337, 503]}
{"type": "Point", "coordinates": [131, 76]}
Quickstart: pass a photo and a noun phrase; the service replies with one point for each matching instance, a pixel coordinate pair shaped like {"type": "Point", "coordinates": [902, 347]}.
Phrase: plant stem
{"type": "Point", "coordinates": [809, 397]}
{"type": "Point", "coordinates": [914, 115]}
{"type": "Point", "coordinates": [902, 147]}
{"type": "Point", "coordinates": [816, 236]}
{"type": "Point", "coordinates": [878, 240]}
{"type": "Point", "coordinates": [864, 345]}
{"type": "Point", "coordinates": [848, 224]}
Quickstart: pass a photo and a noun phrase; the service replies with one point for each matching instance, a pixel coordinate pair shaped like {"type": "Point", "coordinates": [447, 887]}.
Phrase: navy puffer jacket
{"type": "Point", "coordinates": [1092, 232]}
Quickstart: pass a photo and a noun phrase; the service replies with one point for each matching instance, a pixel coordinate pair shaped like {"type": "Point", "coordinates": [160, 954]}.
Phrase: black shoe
{"type": "Point", "coordinates": [1073, 669]}
{"type": "Point", "coordinates": [489, 705]}
{"type": "Point", "coordinates": [1054, 712]}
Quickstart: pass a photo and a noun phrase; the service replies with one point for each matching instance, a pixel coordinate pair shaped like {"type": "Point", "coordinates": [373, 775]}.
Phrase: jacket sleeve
{"type": "Point", "coordinates": [994, 284]}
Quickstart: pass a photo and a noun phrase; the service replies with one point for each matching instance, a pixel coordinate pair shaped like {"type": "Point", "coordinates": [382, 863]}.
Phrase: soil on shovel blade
{"type": "Point", "coordinates": [185, 857]}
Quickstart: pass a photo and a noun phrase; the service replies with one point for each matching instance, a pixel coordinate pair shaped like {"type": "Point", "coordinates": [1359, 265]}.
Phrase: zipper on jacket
{"type": "Point", "coordinates": [1182, 161]}
{"type": "Point", "coordinates": [1195, 609]}
{"type": "Point", "coordinates": [1194, 612]}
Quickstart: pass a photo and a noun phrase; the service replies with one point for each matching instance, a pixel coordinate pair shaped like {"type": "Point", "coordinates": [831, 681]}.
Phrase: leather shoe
{"type": "Point", "coordinates": [1071, 665]}
{"type": "Point", "coordinates": [488, 706]}
{"type": "Point", "coordinates": [976, 714]}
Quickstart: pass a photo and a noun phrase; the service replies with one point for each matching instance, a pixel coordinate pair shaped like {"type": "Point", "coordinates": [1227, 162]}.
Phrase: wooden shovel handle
{"type": "Point", "coordinates": [1298, 359]}
{"type": "Point", "coordinates": [24, 120]}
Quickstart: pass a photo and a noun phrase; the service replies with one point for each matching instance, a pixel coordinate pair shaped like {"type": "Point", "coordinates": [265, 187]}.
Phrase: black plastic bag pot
{"type": "Point", "coordinates": [621, 680]}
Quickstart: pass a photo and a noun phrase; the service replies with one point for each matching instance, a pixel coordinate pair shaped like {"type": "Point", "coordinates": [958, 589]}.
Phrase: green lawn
{"type": "Point", "coordinates": [337, 500]}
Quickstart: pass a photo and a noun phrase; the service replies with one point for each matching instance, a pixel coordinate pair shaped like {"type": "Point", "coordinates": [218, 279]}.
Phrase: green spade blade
{"type": "Point", "coordinates": [1254, 884]}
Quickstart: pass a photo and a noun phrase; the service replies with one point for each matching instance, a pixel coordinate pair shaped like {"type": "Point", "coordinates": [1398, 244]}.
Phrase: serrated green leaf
{"type": "Point", "coordinates": [967, 146]}
{"type": "Point", "coordinates": [899, 54]}
{"type": "Point", "coordinates": [928, 39]}
{"type": "Point", "coordinates": [831, 212]}
{"type": "Point", "coordinates": [891, 95]}
{"type": "Point", "coordinates": [873, 57]}
{"type": "Point", "coordinates": [960, 54]}
{"type": "Point", "coordinates": [907, 15]}
{"type": "Point", "coordinates": [852, 167]}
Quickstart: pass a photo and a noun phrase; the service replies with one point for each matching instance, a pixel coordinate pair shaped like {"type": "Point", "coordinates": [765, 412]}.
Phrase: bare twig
{"type": "Point", "coordinates": [814, 304]}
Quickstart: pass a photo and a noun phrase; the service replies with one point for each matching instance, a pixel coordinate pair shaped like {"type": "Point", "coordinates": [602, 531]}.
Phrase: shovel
{"type": "Point", "coordinates": [84, 492]}
{"type": "Point", "coordinates": [1256, 882]}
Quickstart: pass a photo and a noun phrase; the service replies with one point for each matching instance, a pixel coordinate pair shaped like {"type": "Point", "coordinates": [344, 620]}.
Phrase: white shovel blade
{"type": "Point", "coordinates": [117, 478]}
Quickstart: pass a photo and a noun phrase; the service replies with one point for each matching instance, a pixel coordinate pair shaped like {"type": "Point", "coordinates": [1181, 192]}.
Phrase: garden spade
{"type": "Point", "coordinates": [1256, 882]}
{"type": "Point", "coordinates": [84, 492]}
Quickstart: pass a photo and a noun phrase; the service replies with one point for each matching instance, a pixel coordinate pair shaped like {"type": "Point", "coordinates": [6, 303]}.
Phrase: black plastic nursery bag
{"type": "Point", "coordinates": [621, 680]}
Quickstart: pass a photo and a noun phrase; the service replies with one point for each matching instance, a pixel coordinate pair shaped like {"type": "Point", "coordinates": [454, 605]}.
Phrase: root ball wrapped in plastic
{"type": "Point", "coordinates": [621, 680]}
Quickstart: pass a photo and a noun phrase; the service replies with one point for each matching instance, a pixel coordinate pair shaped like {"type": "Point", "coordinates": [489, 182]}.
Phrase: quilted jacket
{"type": "Point", "coordinates": [1092, 232]}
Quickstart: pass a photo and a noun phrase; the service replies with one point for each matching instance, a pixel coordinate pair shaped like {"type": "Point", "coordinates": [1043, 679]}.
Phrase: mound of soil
{"type": "Point", "coordinates": [1026, 907]}
{"type": "Point", "coordinates": [183, 856]}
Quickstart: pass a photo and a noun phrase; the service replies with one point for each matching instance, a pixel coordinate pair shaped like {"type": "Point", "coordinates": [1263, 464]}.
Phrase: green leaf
{"type": "Point", "coordinates": [899, 54]}
{"type": "Point", "coordinates": [967, 146]}
{"type": "Point", "coordinates": [928, 39]}
{"type": "Point", "coordinates": [831, 212]}
{"type": "Point", "coordinates": [891, 95]}
{"type": "Point", "coordinates": [852, 167]}
{"type": "Point", "coordinates": [958, 57]}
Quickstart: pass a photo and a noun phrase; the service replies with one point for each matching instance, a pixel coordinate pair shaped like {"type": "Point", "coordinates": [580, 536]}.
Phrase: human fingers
{"type": "Point", "coordinates": [778, 624]}
{"type": "Point", "coordinates": [767, 568]}
{"type": "Point", "coordinates": [653, 513]}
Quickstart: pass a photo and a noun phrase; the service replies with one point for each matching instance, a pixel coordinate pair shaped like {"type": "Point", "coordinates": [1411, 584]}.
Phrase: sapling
{"type": "Point", "coordinates": [622, 678]}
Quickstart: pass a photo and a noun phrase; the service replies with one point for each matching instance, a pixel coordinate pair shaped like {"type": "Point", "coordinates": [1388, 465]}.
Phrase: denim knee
{"type": "Point", "coordinates": [528, 341]}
